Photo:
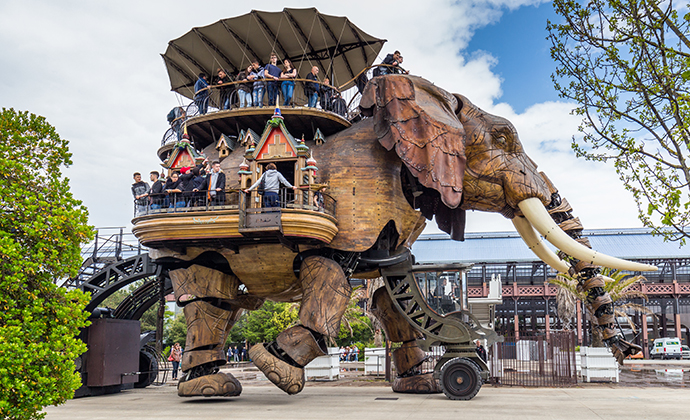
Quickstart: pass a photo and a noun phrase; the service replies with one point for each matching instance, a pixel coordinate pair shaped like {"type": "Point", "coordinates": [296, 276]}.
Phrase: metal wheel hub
{"type": "Point", "coordinates": [460, 379]}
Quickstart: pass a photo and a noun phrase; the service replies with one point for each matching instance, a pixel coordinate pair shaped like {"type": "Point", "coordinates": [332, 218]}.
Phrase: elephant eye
{"type": "Point", "coordinates": [502, 137]}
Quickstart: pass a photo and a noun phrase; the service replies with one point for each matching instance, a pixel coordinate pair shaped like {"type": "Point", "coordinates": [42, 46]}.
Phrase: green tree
{"type": "Point", "coordinates": [41, 229]}
{"type": "Point", "coordinates": [264, 324]}
{"type": "Point", "coordinates": [626, 63]}
{"type": "Point", "coordinates": [355, 326]}
{"type": "Point", "coordinates": [175, 331]}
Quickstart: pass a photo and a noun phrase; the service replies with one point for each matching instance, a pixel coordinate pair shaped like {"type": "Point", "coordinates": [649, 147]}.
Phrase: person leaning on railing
{"type": "Point", "coordinates": [188, 177]}
{"type": "Point", "coordinates": [173, 192]}
{"type": "Point", "coordinates": [391, 65]}
{"type": "Point", "coordinates": [272, 180]}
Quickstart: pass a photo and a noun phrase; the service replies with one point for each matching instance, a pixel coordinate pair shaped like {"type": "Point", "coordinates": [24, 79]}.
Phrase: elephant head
{"type": "Point", "coordinates": [467, 159]}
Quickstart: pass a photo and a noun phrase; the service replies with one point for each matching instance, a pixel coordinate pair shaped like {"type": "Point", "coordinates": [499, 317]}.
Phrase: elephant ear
{"type": "Point", "coordinates": [418, 120]}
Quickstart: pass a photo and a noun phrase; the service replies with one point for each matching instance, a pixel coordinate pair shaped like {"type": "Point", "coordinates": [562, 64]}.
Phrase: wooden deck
{"type": "Point", "coordinates": [221, 227]}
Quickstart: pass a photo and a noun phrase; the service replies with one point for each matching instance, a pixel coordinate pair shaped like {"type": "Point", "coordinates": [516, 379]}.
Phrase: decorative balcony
{"type": "Point", "coordinates": [304, 217]}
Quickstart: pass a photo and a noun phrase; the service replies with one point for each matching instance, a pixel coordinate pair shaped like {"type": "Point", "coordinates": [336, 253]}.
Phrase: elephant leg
{"type": "Point", "coordinates": [326, 294]}
{"type": "Point", "coordinates": [589, 280]}
{"type": "Point", "coordinates": [409, 357]}
{"type": "Point", "coordinates": [211, 307]}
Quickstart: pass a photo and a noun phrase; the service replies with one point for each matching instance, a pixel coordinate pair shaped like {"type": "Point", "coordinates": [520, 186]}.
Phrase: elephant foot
{"type": "Point", "coordinates": [417, 384]}
{"type": "Point", "coordinates": [622, 349]}
{"type": "Point", "coordinates": [216, 385]}
{"type": "Point", "coordinates": [285, 376]}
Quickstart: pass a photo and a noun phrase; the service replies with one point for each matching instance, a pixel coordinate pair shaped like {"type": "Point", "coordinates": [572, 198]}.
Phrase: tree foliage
{"type": "Point", "coordinates": [356, 325]}
{"type": "Point", "coordinates": [264, 324]}
{"type": "Point", "coordinates": [41, 229]}
{"type": "Point", "coordinates": [627, 65]}
{"type": "Point", "coordinates": [619, 287]}
{"type": "Point", "coordinates": [175, 331]}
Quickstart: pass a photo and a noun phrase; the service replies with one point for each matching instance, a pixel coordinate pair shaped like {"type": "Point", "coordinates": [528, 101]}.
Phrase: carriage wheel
{"type": "Point", "coordinates": [460, 379]}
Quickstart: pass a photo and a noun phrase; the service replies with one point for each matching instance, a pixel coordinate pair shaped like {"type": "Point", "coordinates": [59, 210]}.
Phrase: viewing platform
{"type": "Point", "coordinates": [232, 223]}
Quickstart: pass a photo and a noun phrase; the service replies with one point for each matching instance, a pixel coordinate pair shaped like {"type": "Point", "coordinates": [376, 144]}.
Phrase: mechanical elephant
{"type": "Point", "coordinates": [455, 157]}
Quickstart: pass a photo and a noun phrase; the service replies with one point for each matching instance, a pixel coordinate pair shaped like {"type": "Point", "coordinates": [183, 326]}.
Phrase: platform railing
{"type": "Point", "coordinates": [226, 96]}
{"type": "Point", "coordinates": [339, 101]}
{"type": "Point", "coordinates": [182, 202]}
{"type": "Point", "coordinates": [110, 244]}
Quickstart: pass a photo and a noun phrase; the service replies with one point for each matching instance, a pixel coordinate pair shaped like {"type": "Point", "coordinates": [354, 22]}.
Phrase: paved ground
{"type": "Point", "coordinates": [380, 403]}
{"type": "Point", "coordinates": [359, 398]}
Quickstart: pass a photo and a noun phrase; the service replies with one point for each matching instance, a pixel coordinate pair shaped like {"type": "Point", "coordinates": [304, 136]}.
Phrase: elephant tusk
{"type": "Point", "coordinates": [537, 245]}
{"type": "Point", "coordinates": [540, 219]}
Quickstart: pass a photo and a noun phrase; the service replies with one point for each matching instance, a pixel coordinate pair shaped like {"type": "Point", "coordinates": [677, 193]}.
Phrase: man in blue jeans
{"type": "Point", "coordinates": [272, 73]}
{"type": "Point", "coordinates": [312, 89]}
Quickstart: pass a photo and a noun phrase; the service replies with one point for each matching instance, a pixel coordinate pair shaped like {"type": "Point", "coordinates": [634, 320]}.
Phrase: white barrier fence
{"type": "Point", "coordinates": [598, 362]}
{"type": "Point", "coordinates": [325, 368]}
{"type": "Point", "coordinates": [375, 361]}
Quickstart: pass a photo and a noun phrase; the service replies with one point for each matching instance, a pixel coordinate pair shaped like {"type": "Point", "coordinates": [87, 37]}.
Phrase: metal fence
{"type": "Point", "coordinates": [539, 361]}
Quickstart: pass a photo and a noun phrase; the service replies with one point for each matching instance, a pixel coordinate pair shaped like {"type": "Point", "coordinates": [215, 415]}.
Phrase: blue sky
{"type": "Point", "coordinates": [518, 41]}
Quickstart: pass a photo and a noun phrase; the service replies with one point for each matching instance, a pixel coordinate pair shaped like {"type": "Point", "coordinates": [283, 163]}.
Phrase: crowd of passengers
{"type": "Point", "coordinates": [192, 186]}
{"type": "Point", "coordinates": [256, 82]}
{"type": "Point", "coordinates": [201, 185]}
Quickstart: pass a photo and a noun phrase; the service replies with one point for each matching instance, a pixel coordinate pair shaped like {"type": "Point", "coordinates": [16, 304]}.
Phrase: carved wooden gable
{"type": "Point", "coordinates": [275, 143]}
{"type": "Point", "coordinates": [182, 155]}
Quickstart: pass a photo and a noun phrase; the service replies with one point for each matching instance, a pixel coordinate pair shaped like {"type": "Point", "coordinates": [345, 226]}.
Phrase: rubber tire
{"type": "Point", "coordinates": [147, 363]}
{"type": "Point", "coordinates": [460, 379]}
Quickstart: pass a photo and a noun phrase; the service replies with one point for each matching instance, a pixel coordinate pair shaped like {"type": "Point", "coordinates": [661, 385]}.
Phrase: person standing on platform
{"type": "Point", "coordinates": [140, 191]}
{"type": "Point", "coordinates": [214, 183]}
{"type": "Point", "coordinates": [272, 74]}
{"type": "Point", "coordinates": [257, 75]}
{"type": "Point", "coordinates": [272, 180]}
{"type": "Point", "coordinates": [244, 90]}
{"type": "Point", "coordinates": [176, 118]}
{"type": "Point", "coordinates": [201, 93]}
{"type": "Point", "coordinates": [173, 191]}
{"type": "Point", "coordinates": [312, 89]}
{"type": "Point", "coordinates": [156, 192]}
{"type": "Point", "coordinates": [226, 90]}
{"type": "Point", "coordinates": [288, 86]}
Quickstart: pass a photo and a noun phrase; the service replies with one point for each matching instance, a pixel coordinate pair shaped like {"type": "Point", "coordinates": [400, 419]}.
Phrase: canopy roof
{"type": "Point", "coordinates": [305, 36]}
